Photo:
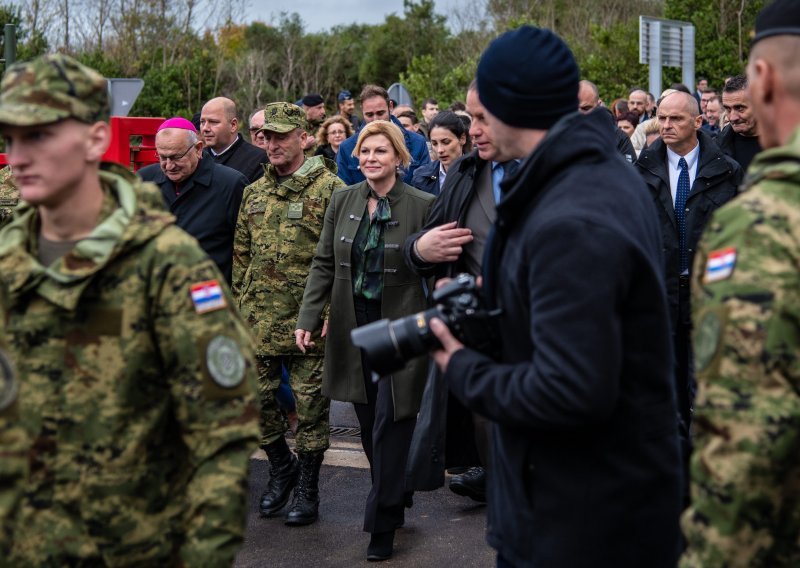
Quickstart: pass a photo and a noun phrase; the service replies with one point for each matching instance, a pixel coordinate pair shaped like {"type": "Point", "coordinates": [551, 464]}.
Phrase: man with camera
{"type": "Point", "coordinates": [585, 458]}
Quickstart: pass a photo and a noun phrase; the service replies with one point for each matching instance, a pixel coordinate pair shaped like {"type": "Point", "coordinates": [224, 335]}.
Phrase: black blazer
{"type": "Point", "coordinates": [206, 208]}
{"type": "Point", "coordinates": [243, 157]}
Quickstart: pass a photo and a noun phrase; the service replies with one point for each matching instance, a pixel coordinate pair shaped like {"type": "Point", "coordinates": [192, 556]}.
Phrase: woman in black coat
{"type": "Point", "coordinates": [449, 137]}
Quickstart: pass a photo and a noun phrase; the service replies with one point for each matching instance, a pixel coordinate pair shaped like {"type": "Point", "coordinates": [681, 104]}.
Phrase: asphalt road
{"type": "Point", "coordinates": [441, 529]}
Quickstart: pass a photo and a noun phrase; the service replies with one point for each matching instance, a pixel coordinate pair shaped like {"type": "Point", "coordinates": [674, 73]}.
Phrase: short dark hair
{"type": "Point", "coordinates": [427, 102]}
{"type": "Point", "coordinates": [458, 105]}
{"type": "Point", "coordinates": [370, 91]}
{"type": "Point", "coordinates": [735, 84]}
{"type": "Point", "coordinates": [409, 114]}
{"type": "Point", "coordinates": [680, 87]}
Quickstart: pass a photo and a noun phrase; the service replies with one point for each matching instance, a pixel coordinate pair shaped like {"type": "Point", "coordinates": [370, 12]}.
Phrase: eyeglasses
{"type": "Point", "coordinates": [174, 158]}
{"type": "Point", "coordinates": [336, 132]}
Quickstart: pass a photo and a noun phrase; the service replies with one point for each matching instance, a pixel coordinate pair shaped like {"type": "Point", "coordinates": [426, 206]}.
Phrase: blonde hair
{"type": "Point", "coordinates": [392, 133]}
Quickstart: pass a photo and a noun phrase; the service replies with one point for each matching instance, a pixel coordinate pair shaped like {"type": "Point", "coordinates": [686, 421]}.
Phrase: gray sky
{"type": "Point", "coordinates": [320, 15]}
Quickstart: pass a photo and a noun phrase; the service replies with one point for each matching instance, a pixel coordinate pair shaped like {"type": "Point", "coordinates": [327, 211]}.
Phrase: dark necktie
{"type": "Point", "coordinates": [681, 195]}
{"type": "Point", "coordinates": [509, 168]}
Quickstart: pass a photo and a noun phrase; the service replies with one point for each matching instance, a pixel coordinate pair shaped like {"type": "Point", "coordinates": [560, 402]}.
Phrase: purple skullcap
{"type": "Point", "coordinates": [177, 122]}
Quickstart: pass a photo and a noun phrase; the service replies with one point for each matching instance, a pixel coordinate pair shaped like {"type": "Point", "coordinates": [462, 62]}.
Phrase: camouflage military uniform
{"type": "Point", "coordinates": [126, 427]}
{"type": "Point", "coordinates": [9, 195]}
{"type": "Point", "coordinates": [136, 405]}
{"type": "Point", "coordinates": [311, 130]}
{"type": "Point", "coordinates": [276, 235]}
{"type": "Point", "coordinates": [746, 464]}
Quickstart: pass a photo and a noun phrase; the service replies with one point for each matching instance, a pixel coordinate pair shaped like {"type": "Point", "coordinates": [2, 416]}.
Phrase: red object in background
{"type": "Point", "coordinates": [120, 150]}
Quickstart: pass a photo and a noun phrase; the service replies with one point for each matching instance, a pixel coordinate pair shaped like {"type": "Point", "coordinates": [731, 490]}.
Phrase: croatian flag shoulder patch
{"type": "Point", "coordinates": [207, 296]}
{"type": "Point", "coordinates": [720, 265]}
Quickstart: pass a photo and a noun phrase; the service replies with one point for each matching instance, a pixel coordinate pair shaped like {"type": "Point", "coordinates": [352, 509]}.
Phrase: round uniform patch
{"type": "Point", "coordinates": [225, 362]}
{"type": "Point", "coordinates": [706, 340]}
{"type": "Point", "coordinates": [9, 386]}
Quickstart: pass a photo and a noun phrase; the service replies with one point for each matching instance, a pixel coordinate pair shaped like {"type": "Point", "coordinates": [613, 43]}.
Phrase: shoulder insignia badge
{"type": "Point", "coordinates": [225, 362]}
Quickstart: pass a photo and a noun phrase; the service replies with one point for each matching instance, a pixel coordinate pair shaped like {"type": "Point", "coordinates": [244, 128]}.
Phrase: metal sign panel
{"type": "Point", "coordinates": [399, 93]}
{"type": "Point", "coordinates": [666, 43]}
{"type": "Point", "coordinates": [123, 93]}
{"type": "Point", "coordinates": [672, 35]}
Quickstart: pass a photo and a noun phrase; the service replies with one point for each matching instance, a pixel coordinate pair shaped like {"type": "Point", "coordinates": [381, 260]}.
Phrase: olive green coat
{"type": "Point", "coordinates": [402, 292]}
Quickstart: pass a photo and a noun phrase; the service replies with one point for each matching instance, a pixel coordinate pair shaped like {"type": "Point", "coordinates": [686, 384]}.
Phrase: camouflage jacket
{"type": "Point", "coordinates": [126, 433]}
{"type": "Point", "coordinates": [276, 235]}
{"type": "Point", "coordinates": [9, 195]}
{"type": "Point", "coordinates": [746, 309]}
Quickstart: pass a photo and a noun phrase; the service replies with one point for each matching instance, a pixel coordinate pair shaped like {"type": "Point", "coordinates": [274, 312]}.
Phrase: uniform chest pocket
{"type": "Point", "coordinates": [305, 218]}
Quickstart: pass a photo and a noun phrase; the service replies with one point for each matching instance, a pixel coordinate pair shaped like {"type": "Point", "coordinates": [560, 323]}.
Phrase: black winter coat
{"type": "Point", "coordinates": [444, 435]}
{"type": "Point", "coordinates": [586, 468]}
{"type": "Point", "coordinates": [243, 157]}
{"type": "Point", "coordinates": [207, 207]}
{"type": "Point", "coordinates": [717, 182]}
{"type": "Point", "coordinates": [451, 205]}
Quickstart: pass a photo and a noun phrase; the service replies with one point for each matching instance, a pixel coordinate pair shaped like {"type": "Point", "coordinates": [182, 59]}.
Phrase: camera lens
{"type": "Point", "coordinates": [389, 344]}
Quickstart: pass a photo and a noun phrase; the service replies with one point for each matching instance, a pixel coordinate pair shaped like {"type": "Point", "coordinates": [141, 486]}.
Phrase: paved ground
{"type": "Point", "coordinates": [441, 530]}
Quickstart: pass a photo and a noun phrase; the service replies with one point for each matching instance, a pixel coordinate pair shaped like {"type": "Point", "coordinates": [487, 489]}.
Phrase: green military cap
{"type": "Point", "coordinates": [51, 88]}
{"type": "Point", "coordinates": [284, 117]}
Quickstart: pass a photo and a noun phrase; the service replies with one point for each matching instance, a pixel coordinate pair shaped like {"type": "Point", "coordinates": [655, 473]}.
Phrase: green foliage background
{"type": "Point", "coordinates": [256, 63]}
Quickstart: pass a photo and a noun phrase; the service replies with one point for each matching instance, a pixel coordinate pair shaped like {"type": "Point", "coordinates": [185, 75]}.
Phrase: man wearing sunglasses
{"type": "Point", "coordinates": [203, 195]}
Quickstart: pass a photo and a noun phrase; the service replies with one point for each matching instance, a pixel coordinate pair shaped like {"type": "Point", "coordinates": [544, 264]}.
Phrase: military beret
{"type": "Point", "coordinates": [284, 117]}
{"type": "Point", "coordinates": [782, 17]}
{"type": "Point", "coordinates": [313, 99]}
{"type": "Point", "coordinates": [52, 88]}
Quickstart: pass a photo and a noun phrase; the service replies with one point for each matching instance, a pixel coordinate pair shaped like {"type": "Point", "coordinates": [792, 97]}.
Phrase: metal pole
{"type": "Point", "coordinates": [654, 60]}
{"type": "Point", "coordinates": [10, 47]}
{"type": "Point", "coordinates": [687, 57]}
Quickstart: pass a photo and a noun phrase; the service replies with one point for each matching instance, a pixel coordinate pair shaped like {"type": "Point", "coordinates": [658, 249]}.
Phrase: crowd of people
{"type": "Point", "coordinates": [640, 403]}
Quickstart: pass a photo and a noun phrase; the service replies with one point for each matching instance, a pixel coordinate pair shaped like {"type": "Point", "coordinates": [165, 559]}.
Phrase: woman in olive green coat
{"type": "Point", "coordinates": [358, 269]}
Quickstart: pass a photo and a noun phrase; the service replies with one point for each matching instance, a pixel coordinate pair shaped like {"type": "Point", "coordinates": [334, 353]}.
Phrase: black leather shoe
{"type": "Point", "coordinates": [380, 546]}
{"type": "Point", "coordinates": [470, 484]}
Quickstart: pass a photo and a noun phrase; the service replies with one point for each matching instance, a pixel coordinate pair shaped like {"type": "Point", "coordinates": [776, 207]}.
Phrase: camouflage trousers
{"type": "Point", "coordinates": [305, 378]}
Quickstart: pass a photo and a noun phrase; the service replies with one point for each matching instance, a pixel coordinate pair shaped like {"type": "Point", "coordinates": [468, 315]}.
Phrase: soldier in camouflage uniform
{"type": "Point", "coordinates": [9, 195]}
{"type": "Point", "coordinates": [314, 107]}
{"type": "Point", "coordinates": [746, 464]}
{"type": "Point", "coordinates": [126, 427]}
{"type": "Point", "coordinates": [280, 221]}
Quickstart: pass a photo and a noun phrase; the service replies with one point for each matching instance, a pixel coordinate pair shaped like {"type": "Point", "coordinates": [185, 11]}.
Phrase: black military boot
{"type": "Point", "coordinates": [283, 471]}
{"type": "Point", "coordinates": [305, 505]}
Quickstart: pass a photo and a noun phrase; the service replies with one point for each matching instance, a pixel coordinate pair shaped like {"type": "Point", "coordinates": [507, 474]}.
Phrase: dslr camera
{"type": "Point", "coordinates": [387, 345]}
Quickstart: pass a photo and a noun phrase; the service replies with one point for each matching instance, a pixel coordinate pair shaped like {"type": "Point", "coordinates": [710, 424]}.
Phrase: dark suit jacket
{"type": "Point", "coordinates": [207, 206]}
{"type": "Point", "coordinates": [243, 157]}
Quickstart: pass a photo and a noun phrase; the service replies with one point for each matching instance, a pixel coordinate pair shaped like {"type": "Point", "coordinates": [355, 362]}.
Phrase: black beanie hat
{"type": "Point", "coordinates": [528, 78]}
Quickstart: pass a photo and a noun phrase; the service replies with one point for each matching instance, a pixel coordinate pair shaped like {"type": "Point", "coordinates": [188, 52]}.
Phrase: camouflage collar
{"type": "Point", "coordinates": [311, 169]}
{"type": "Point", "coordinates": [63, 282]}
{"type": "Point", "coordinates": [782, 162]}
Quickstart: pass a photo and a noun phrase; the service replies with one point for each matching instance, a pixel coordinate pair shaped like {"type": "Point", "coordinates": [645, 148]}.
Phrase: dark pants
{"type": "Point", "coordinates": [386, 442]}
